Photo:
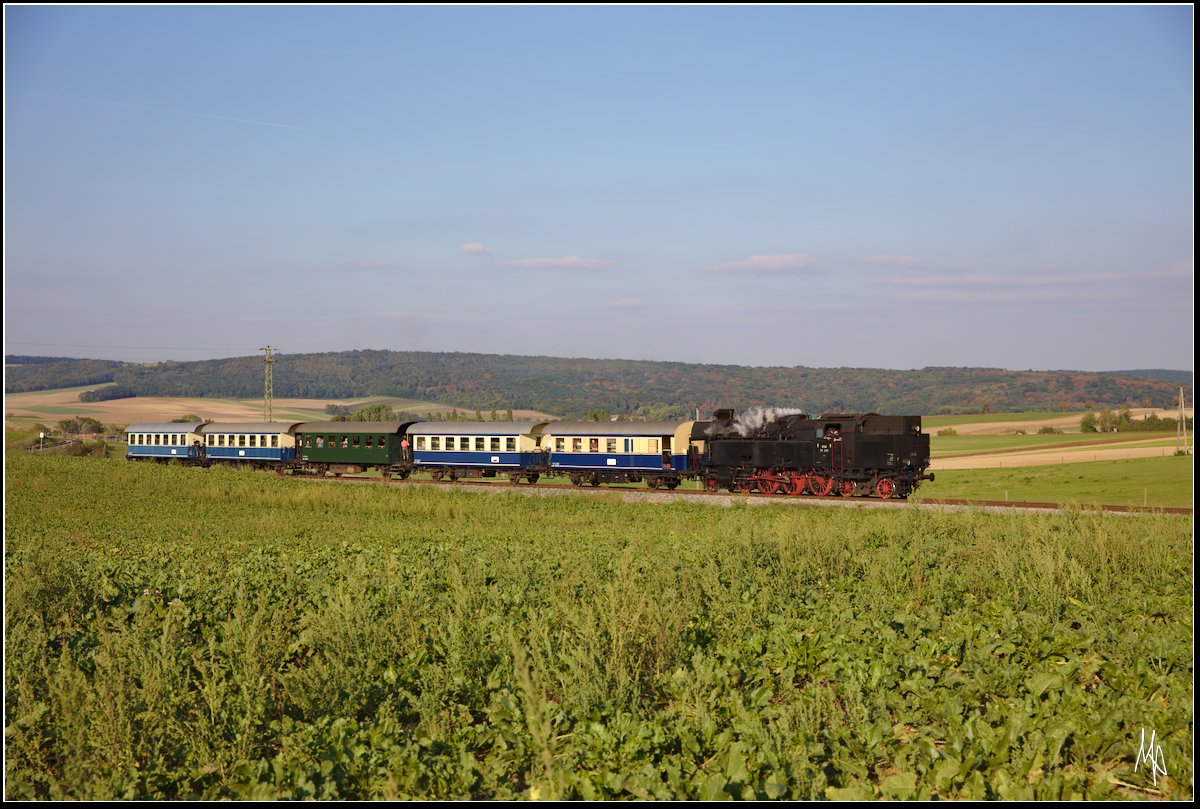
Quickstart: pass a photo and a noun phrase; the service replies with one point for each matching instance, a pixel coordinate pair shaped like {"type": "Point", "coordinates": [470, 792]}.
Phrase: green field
{"type": "Point", "coordinates": [178, 633]}
{"type": "Point", "coordinates": [947, 446]}
{"type": "Point", "coordinates": [1154, 482]}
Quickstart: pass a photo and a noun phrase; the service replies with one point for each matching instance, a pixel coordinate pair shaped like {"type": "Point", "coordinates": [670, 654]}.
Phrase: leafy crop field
{"type": "Point", "coordinates": [178, 634]}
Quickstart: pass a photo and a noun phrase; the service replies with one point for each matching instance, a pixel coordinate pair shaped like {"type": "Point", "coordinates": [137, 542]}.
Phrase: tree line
{"type": "Point", "coordinates": [573, 388]}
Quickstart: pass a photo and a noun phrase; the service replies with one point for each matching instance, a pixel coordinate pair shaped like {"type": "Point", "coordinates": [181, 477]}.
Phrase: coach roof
{"type": "Point", "coordinates": [620, 428]}
{"type": "Point", "coordinates": [476, 428]}
{"type": "Point", "coordinates": [352, 427]}
{"type": "Point", "coordinates": [250, 427]}
{"type": "Point", "coordinates": [169, 427]}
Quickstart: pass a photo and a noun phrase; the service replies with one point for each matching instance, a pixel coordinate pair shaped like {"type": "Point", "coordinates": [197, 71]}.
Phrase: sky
{"type": "Point", "coordinates": [863, 186]}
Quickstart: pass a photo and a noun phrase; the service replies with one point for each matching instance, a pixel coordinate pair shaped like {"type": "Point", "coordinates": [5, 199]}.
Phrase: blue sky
{"type": "Point", "coordinates": [872, 186]}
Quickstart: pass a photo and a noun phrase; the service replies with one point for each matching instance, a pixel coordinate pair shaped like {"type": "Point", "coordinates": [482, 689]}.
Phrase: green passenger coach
{"type": "Point", "coordinates": [353, 446]}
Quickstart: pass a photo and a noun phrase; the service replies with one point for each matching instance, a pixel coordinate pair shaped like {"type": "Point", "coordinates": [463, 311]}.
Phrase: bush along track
{"type": "Point", "coordinates": [176, 633]}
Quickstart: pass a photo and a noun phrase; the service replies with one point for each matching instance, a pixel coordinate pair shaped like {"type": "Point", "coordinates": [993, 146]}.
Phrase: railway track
{"type": "Point", "coordinates": [753, 498]}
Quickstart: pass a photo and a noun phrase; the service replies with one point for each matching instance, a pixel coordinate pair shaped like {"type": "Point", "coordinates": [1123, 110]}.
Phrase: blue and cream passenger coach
{"type": "Point", "coordinates": [173, 441]}
{"type": "Point", "coordinates": [262, 444]}
{"type": "Point", "coordinates": [469, 449]}
{"type": "Point", "coordinates": [595, 452]}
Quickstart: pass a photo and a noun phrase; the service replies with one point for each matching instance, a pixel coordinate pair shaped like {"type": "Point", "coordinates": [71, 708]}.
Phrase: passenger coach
{"type": "Point", "coordinates": [472, 449]}
{"type": "Point", "coordinates": [352, 447]}
{"type": "Point", "coordinates": [174, 441]}
{"type": "Point", "coordinates": [265, 444]}
{"type": "Point", "coordinates": [595, 452]}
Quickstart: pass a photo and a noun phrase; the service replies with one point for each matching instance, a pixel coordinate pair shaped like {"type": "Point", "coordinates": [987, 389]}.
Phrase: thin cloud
{"type": "Point", "coordinates": [566, 263]}
{"type": "Point", "coordinates": [476, 248]}
{"type": "Point", "coordinates": [784, 262]}
{"type": "Point", "coordinates": [629, 303]}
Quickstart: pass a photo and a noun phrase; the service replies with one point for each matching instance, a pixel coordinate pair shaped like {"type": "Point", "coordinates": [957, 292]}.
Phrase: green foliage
{"type": "Point", "coordinates": [1089, 423]}
{"type": "Point", "coordinates": [1046, 429]}
{"type": "Point", "coordinates": [268, 638]}
{"type": "Point", "coordinates": [107, 393]}
{"type": "Point", "coordinates": [374, 412]}
{"type": "Point", "coordinates": [947, 431]}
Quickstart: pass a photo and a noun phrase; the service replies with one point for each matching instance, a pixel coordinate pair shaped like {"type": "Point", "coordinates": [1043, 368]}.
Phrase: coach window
{"type": "Point", "coordinates": [610, 445]}
{"type": "Point", "coordinates": [435, 442]}
{"type": "Point", "coordinates": [157, 439]}
{"type": "Point", "coordinates": [320, 442]}
{"type": "Point", "coordinates": [275, 441]}
{"type": "Point", "coordinates": [371, 441]}
{"type": "Point", "coordinates": [510, 444]}
{"type": "Point", "coordinates": [576, 445]}
{"type": "Point", "coordinates": [560, 445]}
{"type": "Point", "coordinates": [666, 443]}
{"type": "Point", "coordinates": [494, 444]}
{"type": "Point", "coordinates": [629, 445]}
{"type": "Point", "coordinates": [254, 441]}
{"type": "Point", "coordinates": [355, 443]}
{"type": "Point", "coordinates": [594, 445]}
{"type": "Point", "coordinates": [420, 442]}
{"type": "Point", "coordinates": [479, 444]}
{"type": "Point", "coordinates": [172, 439]}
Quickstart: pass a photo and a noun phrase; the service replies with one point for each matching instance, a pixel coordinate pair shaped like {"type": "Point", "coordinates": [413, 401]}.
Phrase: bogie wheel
{"type": "Point", "coordinates": [514, 478]}
{"type": "Point", "coordinates": [820, 485]}
{"type": "Point", "coordinates": [672, 484]}
{"type": "Point", "coordinates": [595, 481]}
{"type": "Point", "coordinates": [652, 483]}
{"type": "Point", "coordinates": [885, 488]}
{"type": "Point", "coordinates": [533, 478]}
{"type": "Point", "coordinates": [576, 480]}
{"type": "Point", "coordinates": [710, 484]}
{"type": "Point", "coordinates": [744, 486]}
{"type": "Point", "coordinates": [437, 475]}
{"type": "Point", "coordinates": [404, 475]}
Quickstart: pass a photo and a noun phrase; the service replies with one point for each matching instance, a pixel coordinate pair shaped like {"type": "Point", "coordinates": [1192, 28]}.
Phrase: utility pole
{"type": "Point", "coordinates": [268, 361]}
{"type": "Point", "coordinates": [1182, 428]}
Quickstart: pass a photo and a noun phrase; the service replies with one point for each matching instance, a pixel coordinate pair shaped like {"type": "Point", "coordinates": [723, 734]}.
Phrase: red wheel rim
{"type": "Point", "coordinates": [710, 484]}
{"type": "Point", "coordinates": [847, 489]}
{"type": "Point", "coordinates": [885, 489]}
{"type": "Point", "coordinates": [795, 485]}
{"type": "Point", "coordinates": [744, 486]}
{"type": "Point", "coordinates": [767, 483]}
{"type": "Point", "coordinates": [819, 485]}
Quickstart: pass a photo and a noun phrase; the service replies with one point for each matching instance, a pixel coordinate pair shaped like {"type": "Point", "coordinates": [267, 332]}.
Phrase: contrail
{"type": "Point", "coordinates": [165, 109]}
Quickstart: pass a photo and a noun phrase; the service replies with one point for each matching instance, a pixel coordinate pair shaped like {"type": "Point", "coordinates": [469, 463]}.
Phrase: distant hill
{"type": "Point", "coordinates": [1176, 377]}
{"type": "Point", "coordinates": [575, 387]}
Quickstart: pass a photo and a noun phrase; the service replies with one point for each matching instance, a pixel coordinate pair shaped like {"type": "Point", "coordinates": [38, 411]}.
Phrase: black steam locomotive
{"type": "Point", "coordinates": [850, 454]}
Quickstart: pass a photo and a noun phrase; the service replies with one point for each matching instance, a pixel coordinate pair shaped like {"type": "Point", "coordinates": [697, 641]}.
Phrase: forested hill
{"type": "Point", "coordinates": [573, 387]}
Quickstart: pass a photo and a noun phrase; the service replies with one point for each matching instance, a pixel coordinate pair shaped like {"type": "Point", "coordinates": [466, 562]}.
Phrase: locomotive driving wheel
{"type": "Point", "coordinates": [820, 485]}
{"type": "Point", "coordinates": [767, 483]}
{"type": "Point", "coordinates": [885, 488]}
{"type": "Point", "coordinates": [795, 484]}
{"type": "Point", "coordinates": [847, 488]}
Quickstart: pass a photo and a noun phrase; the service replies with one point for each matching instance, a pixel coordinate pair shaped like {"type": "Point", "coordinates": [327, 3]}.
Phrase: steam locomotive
{"type": "Point", "coordinates": [852, 454]}
{"type": "Point", "coordinates": [770, 451]}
